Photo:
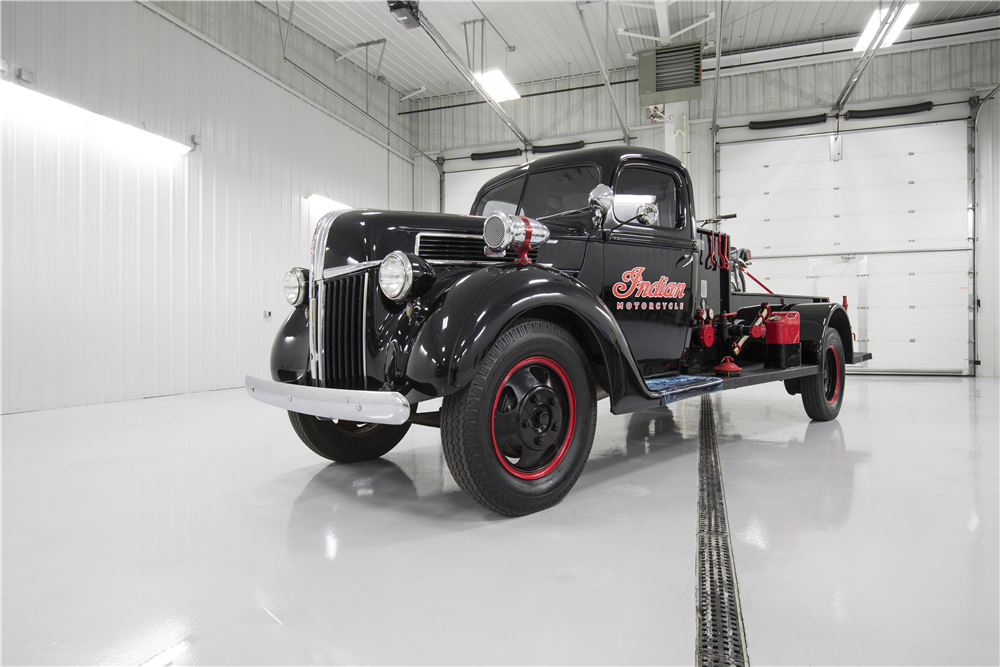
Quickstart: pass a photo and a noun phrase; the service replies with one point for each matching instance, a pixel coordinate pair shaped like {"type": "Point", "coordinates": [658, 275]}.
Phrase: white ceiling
{"type": "Point", "coordinates": [550, 41]}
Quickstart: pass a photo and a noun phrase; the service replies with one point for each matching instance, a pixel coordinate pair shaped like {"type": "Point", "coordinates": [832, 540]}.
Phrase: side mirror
{"type": "Point", "coordinates": [636, 208]}
{"type": "Point", "coordinates": [601, 199]}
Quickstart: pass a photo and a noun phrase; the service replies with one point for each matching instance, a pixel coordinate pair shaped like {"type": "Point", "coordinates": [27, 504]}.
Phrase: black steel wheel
{"type": "Point", "coordinates": [344, 441]}
{"type": "Point", "coordinates": [823, 393]}
{"type": "Point", "coordinates": [517, 438]}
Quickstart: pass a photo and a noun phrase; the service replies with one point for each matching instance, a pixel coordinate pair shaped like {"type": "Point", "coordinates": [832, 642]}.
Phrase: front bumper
{"type": "Point", "coordinates": [374, 407]}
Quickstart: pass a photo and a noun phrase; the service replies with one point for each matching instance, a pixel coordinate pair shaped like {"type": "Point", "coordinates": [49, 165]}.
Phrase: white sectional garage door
{"type": "Point", "coordinates": [886, 226]}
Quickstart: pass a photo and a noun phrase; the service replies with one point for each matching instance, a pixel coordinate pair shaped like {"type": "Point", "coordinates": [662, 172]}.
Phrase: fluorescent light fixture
{"type": "Point", "coordinates": [497, 86]}
{"type": "Point", "coordinates": [871, 30]}
{"type": "Point", "coordinates": [904, 17]}
{"type": "Point", "coordinates": [59, 114]}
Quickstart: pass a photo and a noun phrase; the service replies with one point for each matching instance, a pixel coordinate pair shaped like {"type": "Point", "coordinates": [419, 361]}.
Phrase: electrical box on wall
{"type": "Point", "coordinates": [670, 74]}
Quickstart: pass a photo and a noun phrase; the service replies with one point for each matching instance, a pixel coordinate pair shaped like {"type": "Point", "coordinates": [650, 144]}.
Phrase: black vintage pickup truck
{"type": "Point", "coordinates": [575, 277]}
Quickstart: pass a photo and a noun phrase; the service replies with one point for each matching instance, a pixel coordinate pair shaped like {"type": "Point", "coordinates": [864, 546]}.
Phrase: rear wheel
{"type": "Point", "coordinates": [344, 441]}
{"type": "Point", "coordinates": [517, 438]}
{"type": "Point", "coordinates": [823, 393]}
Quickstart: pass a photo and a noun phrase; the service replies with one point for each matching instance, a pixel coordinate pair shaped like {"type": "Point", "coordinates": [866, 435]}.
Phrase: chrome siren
{"type": "Point", "coordinates": [502, 231]}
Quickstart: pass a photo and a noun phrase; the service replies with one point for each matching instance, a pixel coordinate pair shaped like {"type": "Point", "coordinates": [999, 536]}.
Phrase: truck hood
{"type": "Point", "coordinates": [358, 236]}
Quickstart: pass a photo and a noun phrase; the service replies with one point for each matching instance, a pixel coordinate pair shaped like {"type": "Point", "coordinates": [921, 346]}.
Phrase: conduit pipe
{"type": "Point", "coordinates": [715, 116]}
{"type": "Point", "coordinates": [607, 79]}
{"type": "Point", "coordinates": [449, 52]}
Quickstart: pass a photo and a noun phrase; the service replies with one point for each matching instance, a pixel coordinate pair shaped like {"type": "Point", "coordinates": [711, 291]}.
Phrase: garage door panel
{"type": "Point", "coordinates": [925, 282]}
{"type": "Point", "coordinates": [756, 155]}
{"type": "Point", "coordinates": [896, 199]}
{"type": "Point", "coordinates": [779, 178]}
{"type": "Point", "coordinates": [892, 299]}
{"type": "Point", "coordinates": [920, 141]}
{"type": "Point", "coordinates": [850, 234]}
{"type": "Point", "coordinates": [905, 340]}
{"type": "Point", "coordinates": [826, 174]}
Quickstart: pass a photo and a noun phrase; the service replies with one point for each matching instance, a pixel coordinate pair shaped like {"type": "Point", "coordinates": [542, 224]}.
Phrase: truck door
{"type": "Point", "coordinates": [649, 269]}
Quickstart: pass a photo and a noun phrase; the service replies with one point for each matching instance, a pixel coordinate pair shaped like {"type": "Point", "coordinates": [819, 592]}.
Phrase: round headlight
{"type": "Point", "coordinates": [395, 275]}
{"type": "Point", "coordinates": [295, 286]}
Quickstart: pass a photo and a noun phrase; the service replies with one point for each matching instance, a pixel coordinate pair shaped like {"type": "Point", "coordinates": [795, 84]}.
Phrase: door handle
{"type": "Point", "coordinates": [685, 260]}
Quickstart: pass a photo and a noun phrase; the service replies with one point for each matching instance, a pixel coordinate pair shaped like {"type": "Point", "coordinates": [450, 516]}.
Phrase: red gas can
{"type": "Point", "coordinates": [783, 347]}
{"type": "Point", "coordinates": [783, 328]}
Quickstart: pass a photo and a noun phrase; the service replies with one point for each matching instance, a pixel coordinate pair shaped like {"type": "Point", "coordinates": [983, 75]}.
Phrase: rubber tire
{"type": "Point", "coordinates": [818, 404]}
{"type": "Point", "coordinates": [467, 417]}
{"type": "Point", "coordinates": [346, 442]}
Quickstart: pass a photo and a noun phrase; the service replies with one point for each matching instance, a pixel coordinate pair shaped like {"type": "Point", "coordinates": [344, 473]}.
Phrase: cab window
{"type": "Point", "coordinates": [559, 190]}
{"type": "Point", "coordinates": [660, 184]}
{"type": "Point", "coordinates": [503, 198]}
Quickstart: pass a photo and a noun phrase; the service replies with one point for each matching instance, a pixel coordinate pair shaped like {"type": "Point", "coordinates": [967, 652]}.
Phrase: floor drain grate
{"type": "Point", "coordinates": [720, 635]}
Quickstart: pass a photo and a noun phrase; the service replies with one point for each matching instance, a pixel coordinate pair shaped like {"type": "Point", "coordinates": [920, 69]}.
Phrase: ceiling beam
{"type": "Point", "coordinates": [663, 19]}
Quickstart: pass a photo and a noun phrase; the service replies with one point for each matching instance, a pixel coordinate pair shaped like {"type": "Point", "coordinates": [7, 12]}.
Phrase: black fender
{"type": "Point", "coordinates": [454, 340]}
{"type": "Point", "coordinates": [290, 350]}
{"type": "Point", "coordinates": [815, 318]}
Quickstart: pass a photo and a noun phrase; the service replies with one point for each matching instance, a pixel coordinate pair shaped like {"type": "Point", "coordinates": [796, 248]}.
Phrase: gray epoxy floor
{"type": "Point", "coordinates": [197, 529]}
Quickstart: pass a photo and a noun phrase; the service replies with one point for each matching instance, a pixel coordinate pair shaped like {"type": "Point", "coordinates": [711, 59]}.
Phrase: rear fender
{"type": "Point", "coordinates": [455, 339]}
{"type": "Point", "coordinates": [815, 318]}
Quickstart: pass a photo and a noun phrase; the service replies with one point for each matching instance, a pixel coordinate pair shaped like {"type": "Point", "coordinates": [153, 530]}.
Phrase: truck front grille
{"type": "Point", "coordinates": [460, 248]}
{"type": "Point", "coordinates": [344, 347]}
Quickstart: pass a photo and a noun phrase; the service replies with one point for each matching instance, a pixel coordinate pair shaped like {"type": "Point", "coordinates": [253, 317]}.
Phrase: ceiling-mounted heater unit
{"type": "Point", "coordinates": [670, 74]}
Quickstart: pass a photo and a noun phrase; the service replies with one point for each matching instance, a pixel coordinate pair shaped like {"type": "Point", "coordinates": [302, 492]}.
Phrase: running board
{"type": "Point", "coordinates": [860, 357]}
{"type": "Point", "coordinates": [679, 387]}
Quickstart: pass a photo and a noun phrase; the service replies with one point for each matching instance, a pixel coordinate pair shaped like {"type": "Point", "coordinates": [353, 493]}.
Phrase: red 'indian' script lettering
{"type": "Point", "coordinates": [633, 285]}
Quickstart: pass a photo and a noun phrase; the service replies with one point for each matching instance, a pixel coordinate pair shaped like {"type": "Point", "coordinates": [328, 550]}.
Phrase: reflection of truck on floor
{"type": "Point", "coordinates": [576, 276]}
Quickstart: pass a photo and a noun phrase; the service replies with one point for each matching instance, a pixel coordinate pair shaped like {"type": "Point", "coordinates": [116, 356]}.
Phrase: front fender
{"type": "Point", "coordinates": [290, 350]}
{"type": "Point", "coordinates": [456, 337]}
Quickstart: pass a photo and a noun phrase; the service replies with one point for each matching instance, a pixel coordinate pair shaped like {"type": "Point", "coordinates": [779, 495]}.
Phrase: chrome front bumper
{"type": "Point", "coordinates": [375, 407]}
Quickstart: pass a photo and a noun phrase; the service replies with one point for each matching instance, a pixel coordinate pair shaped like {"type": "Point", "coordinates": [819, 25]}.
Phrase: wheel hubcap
{"type": "Point", "coordinates": [533, 414]}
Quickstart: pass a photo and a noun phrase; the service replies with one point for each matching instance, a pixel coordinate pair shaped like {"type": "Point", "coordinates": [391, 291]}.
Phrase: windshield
{"type": "Point", "coordinates": [559, 190]}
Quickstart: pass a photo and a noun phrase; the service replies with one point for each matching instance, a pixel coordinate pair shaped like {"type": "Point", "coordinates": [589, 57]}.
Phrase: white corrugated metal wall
{"type": "Point", "coordinates": [131, 275]}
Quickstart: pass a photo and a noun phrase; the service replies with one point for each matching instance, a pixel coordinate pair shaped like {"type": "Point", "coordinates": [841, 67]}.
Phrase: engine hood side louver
{"type": "Point", "coordinates": [444, 247]}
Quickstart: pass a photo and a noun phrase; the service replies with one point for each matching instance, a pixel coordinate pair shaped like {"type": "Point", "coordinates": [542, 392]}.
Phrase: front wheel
{"type": "Point", "coordinates": [823, 393]}
{"type": "Point", "coordinates": [344, 441]}
{"type": "Point", "coordinates": [517, 438]}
